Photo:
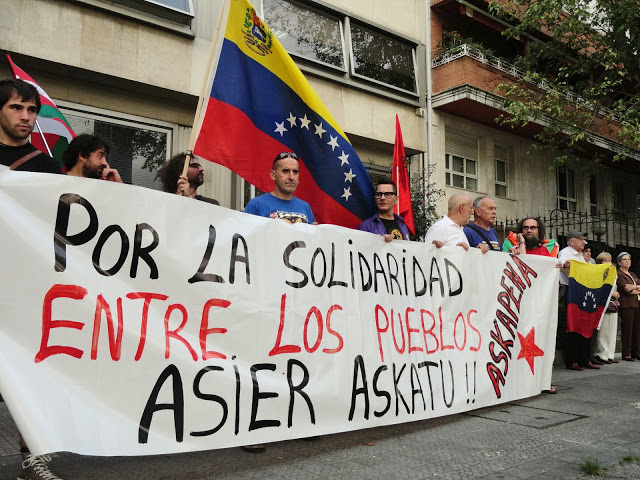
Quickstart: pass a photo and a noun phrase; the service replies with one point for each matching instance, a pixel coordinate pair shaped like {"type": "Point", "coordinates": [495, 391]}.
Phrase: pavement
{"type": "Point", "coordinates": [595, 415]}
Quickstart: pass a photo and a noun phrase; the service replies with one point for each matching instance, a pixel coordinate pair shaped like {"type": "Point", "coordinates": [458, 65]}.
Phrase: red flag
{"type": "Point", "coordinates": [400, 177]}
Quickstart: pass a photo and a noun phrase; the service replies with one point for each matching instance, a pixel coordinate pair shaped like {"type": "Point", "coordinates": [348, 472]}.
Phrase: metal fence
{"type": "Point", "coordinates": [607, 230]}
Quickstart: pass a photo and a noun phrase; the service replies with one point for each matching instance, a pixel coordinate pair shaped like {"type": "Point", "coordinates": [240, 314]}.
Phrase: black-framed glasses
{"type": "Point", "coordinates": [195, 165]}
{"type": "Point", "coordinates": [526, 227]}
{"type": "Point", "coordinates": [287, 154]}
{"type": "Point", "coordinates": [386, 194]}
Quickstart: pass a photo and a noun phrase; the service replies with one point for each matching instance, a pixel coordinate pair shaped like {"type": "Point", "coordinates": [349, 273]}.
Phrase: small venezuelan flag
{"type": "Point", "coordinates": [590, 287]}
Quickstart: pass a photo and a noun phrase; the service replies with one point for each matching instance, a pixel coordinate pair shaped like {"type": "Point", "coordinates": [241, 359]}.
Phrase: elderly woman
{"type": "Point", "coordinates": [629, 289]}
{"type": "Point", "coordinates": [606, 340]}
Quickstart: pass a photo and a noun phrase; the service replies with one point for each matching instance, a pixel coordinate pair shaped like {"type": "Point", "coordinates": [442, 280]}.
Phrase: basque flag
{"type": "Point", "coordinates": [55, 130]}
{"type": "Point", "coordinates": [590, 287]}
{"type": "Point", "coordinates": [259, 104]}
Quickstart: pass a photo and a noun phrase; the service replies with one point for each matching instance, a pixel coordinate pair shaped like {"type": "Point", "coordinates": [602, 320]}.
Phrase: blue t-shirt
{"type": "Point", "coordinates": [293, 211]}
{"type": "Point", "coordinates": [475, 239]}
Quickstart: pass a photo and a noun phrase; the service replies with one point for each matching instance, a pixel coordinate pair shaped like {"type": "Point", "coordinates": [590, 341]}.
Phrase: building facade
{"type": "Point", "coordinates": [132, 71]}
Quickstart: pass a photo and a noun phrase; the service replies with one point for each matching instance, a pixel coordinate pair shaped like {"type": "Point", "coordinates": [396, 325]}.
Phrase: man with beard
{"type": "Point", "coordinates": [479, 232]}
{"type": "Point", "coordinates": [86, 156]}
{"type": "Point", "coordinates": [19, 107]}
{"type": "Point", "coordinates": [529, 238]}
{"type": "Point", "coordinates": [185, 185]}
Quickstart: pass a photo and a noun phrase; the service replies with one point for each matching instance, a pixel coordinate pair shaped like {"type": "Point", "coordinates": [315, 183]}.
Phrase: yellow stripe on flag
{"type": "Point", "coordinates": [592, 276]}
{"type": "Point", "coordinates": [276, 59]}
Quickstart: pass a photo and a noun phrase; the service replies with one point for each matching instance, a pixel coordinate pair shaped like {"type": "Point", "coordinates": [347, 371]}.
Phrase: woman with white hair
{"type": "Point", "coordinates": [629, 288]}
{"type": "Point", "coordinates": [606, 340]}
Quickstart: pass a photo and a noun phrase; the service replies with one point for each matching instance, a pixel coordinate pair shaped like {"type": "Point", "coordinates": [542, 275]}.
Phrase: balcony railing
{"type": "Point", "coordinates": [466, 50]}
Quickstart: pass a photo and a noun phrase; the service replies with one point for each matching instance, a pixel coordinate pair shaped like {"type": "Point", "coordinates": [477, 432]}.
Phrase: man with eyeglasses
{"type": "Point", "coordinates": [174, 182]}
{"type": "Point", "coordinates": [280, 203]}
{"type": "Point", "coordinates": [385, 222]}
{"type": "Point", "coordinates": [529, 238]}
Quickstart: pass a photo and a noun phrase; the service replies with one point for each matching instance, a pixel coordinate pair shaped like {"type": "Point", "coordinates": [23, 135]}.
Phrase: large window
{"type": "Point", "coordinates": [382, 58]}
{"type": "Point", "coordinates": [321, 35]}
{"type": "Point", "coordinates": [566, 189]}
{"type": "Point", "coordinates": [306, 32]}
{"type": "Point", "coordinates": [180, 11]}
{"type": "Point", "coordinates": [138, 149]}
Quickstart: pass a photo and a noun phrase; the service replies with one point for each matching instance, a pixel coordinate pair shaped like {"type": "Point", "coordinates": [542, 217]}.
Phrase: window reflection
{"type": "Point", "coordinates": [305, 32]}
{"type": "Point", "coordinates": [382, 58]}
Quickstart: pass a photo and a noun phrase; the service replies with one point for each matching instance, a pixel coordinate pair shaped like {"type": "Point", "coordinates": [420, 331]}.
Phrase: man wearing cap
{"type": "Point", "coordinates": [577, 349]}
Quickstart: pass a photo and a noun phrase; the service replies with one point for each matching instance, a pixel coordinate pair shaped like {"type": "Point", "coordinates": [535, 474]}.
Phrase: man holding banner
{"type": "Point", "coordinates": [281, 203]}
{"type": "Point", "coordinates": [385, 222]}
{"type": "Point", "coordinates": [19, 107]}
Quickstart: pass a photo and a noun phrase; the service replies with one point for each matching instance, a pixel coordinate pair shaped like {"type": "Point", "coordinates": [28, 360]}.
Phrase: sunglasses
{"type": "Point", "coordinates": [386, 194]}
{"type": "Point", "coordinates": [287, 154]}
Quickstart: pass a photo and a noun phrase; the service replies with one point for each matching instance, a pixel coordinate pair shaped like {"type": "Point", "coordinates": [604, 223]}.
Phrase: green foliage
{"type": "Point", "coordinates": [630, 458]}
{"type": "Point", "coordinates": [424, 199]}
{"type": "Point", "coordinates": [583, 62]}
{"type": "Point", "coordinates": [591, 466]}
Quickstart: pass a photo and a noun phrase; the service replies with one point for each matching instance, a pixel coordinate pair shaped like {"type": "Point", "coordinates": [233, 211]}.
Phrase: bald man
{"type": "Point", "coordinates": [448, 230]}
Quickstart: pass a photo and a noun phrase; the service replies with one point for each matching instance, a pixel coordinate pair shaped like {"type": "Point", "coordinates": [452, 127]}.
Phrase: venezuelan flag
{"type": "Point", "coordinates": [590, 287]}
{"type": "Point", "coordinates": [260, 105]}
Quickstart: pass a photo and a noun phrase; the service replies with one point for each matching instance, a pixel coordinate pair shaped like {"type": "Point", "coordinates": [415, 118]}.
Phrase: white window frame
{"type": "Point", "coordinates": [123, 119]}
{"type": "Point", "coordinates": [504, 183]}
{"type": "Point", "coordinates": [352, 69]}
{"type": "Point", "coordinates": [569, 200]}
{"type": "Point", "coordinates": [449, 170]}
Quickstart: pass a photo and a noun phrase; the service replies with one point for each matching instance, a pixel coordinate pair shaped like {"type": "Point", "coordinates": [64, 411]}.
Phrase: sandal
{"type": "Point", "coordinates": [552, 390]}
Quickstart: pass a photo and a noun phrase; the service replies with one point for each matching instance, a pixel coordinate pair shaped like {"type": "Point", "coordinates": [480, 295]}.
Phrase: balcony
{"type": "Point", "coordinates": [465, 84]}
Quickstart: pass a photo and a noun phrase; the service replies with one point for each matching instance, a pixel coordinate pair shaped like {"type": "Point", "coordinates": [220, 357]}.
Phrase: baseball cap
{"type": "Point", "coordinates": [575, 234]}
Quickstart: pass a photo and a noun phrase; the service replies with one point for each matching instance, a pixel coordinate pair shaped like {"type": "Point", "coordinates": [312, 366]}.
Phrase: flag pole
{"type": "Point", "coordinates": [208, 81]}
{"type": "Point", "coordinates": [44, 140]}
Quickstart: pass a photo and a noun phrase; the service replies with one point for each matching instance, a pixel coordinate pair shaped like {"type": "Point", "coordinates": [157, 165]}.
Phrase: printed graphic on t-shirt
{"type": "Point", "coordinates": [392, 228]}
{"type": "Point", "coordinates": [291, 217]}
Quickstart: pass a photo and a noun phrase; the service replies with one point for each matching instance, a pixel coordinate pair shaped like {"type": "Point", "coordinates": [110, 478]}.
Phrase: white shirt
{"type": "Point", "coordinates": [568, 253]}
{"type": "Point", "coordinates": [446, 231]}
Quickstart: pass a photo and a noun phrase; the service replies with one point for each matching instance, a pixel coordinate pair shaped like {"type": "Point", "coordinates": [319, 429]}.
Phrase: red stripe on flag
{"type": "Point", "coordinates": [229, 138]}
{"type": "Point", "coordinates": [582, 322]}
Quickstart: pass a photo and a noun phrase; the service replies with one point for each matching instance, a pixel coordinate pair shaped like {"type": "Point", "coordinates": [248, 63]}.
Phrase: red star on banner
{"type": "Point", "coordinates": [528, 348]}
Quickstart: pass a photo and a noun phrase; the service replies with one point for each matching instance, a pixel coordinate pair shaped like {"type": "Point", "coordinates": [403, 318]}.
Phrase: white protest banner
{"type": "Point", "coordinates": [135, 322]}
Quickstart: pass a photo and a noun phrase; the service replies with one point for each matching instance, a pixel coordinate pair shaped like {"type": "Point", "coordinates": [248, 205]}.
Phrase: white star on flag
{"type": "Point", "coordinates": [347, 193]}
{"type": "Point", "coordinates": [319, 130]}
{"type": "Point", "coordinates": [349, 176]}
{"type": "Point", "coordinates": [304, 122]}
{"type": "Point", "coordinates": [344, 158]}
{"type": "Point", "coordinates": [292, 120]}
{"type": "Point", "coordinates": [280, 128]}
{"type": "Point", "coordinates": [333, 142]}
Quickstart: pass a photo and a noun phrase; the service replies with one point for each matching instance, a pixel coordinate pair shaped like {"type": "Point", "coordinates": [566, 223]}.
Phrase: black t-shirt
{"type": "Point", "coordinates": [40, 163]}
{"type": "Point", "coordinates": [392, 227]}
{"type": "Point", "coordinates": [207, 199]}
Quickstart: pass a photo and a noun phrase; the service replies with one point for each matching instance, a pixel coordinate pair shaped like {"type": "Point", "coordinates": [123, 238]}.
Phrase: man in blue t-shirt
{"type": "Point", "coordinates": [479, 232]}
{"type": "Point", "coordinates": [281, 203]}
